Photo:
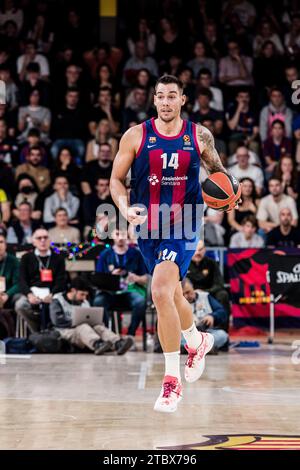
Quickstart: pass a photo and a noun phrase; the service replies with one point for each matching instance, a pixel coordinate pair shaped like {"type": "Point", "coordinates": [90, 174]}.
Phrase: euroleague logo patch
{"type": "Point", "coordinates": [186, 139]}
{"type": "Point", "coordinates": [242, 442]}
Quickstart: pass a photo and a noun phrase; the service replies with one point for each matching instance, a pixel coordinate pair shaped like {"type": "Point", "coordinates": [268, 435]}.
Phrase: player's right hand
{"type": "Point", "coordinates": [134, 216]}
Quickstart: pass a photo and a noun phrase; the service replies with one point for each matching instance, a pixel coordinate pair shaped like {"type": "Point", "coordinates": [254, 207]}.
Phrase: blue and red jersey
{"type": "Point", "coordinates": [166, 171]}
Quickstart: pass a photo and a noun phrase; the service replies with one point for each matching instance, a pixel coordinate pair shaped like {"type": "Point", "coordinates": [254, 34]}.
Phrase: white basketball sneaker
{"type": "Point", "coordinates": [195, 362]}
{"type": "Point", "coordinates": [170, 395]}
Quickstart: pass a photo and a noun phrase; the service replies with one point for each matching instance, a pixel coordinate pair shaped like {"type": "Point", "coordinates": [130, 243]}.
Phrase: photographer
{"type": "Point", "coordinates": [209, 314]}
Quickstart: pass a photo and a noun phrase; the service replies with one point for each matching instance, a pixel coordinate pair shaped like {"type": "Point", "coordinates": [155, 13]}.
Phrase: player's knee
{"type": "Point", "coordinates": [160, 294]}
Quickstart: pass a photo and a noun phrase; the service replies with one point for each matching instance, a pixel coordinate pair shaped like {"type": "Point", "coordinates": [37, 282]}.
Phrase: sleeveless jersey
{"type": "Point", "coordinates": [166, 171]}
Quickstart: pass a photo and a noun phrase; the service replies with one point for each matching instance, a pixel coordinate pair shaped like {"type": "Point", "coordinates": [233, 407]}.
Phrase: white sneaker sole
{"type": "Point", "coordinates": [201, 368]}
{"type": "Point", "coordinates": [164, 408]}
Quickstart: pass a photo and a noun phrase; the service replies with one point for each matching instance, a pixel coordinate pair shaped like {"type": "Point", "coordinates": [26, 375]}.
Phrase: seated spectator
{"type": "Point", "coordinates": [292, 37]}
{"type": "Point", "coordinates": [276, 109]}
{"type": "Point", "coordinates": [11, 89]}
{"type": "Point", "coordinates": [247, 237]}
{"type": "Point", "coordinates": [287, 173]}
{"type": "Point", "coordinates": [73, 79]}
{"type": "Point", "coordinates": [169, 40]}
{"type": "Point", "coordinates": [291, 75]}
{"type": "Point", "coordinates": [143, 33]}
{"type": "Point", "coordinates": [242, 122]}
{"type": "Point", "coordinates": [34, 169]}
{"type": "Point", "coordinates": [276, 146]}
{"type": "Point", "coordinates": [70, 127]}
{"type": "Point", "coordinates": [201, 61]}
{"type": "Point", "coordinates": [4, 209]}
{"type": "Point", "coordinates": [220, 144]}
{"type": "Point", "coordinates": [213, 230]}
{"type": "Point", "coordinates": [209, 315]}
{"type": "Point", "coordinates": [253, 158]}
{"type": "Point", "coordinates": [93, 200]}
{"type": "Point", "coordinates": [9, 280]}
{"type": "Point", "coordinates": [269, 207]}
{"type": "Point", "coordinates": [205, 112]}
{"type": "Point", "coordinates": [247, 207]}
{"type": "Point", "coordinates": [33, 82]}
{"type": "Point", "coordinates": [243, 169]}
{"type": "Point", "coordinates": [62, 232]}
{"type": "Point", "coordinates": [61, 198]}
{"type": "Point", "coordinates": [105, 78]}
{"type": "Point", "coordinates": [100, 168]}
{"type": "Point", "coordinates": [98, 338]}
{"type": "Point", "coordinates": [29, 56]}
{"type": "Point", "coordinates": [186, 77]}
{"type": "Point", "coordinates": [214, 42]}
{"type": "Point", "coordinates": [140, 60]}
{"type": "Point", "coordinates": [45, 270]}
{"type": "Point", "coordinates": [235, 69]}
{"type": "Point", "coordinates": [266, 34]}
{"type": "Point", "coordinates": [33, 140]}
{"type": "Point", "coordinates": [35, 116]}
{"type": "Point", "coordinates": [27, 191]}
{"type": "Point", "coordinates": [8, 154]}
{"type": "Point", "coordinates": [21, 230]}
{"type": "Point", "coordinates": [65, 166]}
{"type": "Point", "coordinates": [127, 262]}
{"type": "Point", "coordinates": [204, 80]}
{"type": "Point", "coordinates": [263, 71]}
{"type": "Point", "coordinates": [285, 235]}
{"type": "Point", "coordinates": [104, 109]}
{"type": "Point", "coordinates": [41, 31]}
{"type": "Point", "coordinates": [204, 273]}
{"type": "Point", "coordinates": [9, 11]}
{"type": "Point", "coordinates": [139, 109]}
{"type": "Point", "coordinates": [143, 79]}
{"type": "Point", "coordinates": [103, 134]}
{"type": "Point", "coordinates": [296, 130]}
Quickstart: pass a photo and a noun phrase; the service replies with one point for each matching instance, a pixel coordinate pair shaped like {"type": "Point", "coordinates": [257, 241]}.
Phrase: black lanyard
{"type": "Point", "coordinates": [42, 265]}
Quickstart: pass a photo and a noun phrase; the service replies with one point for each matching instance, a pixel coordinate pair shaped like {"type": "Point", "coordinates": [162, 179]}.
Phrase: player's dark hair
{"type": "Point", "coordinates": [167, 79]}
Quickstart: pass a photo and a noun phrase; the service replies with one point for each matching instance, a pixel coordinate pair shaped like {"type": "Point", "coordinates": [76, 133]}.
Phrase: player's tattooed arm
{"type": "Point", "coordinates": [209, 154]}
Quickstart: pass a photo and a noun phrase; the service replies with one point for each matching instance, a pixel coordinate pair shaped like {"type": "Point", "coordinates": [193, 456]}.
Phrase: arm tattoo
{"type": "Point", "coordinates": [209, 155]}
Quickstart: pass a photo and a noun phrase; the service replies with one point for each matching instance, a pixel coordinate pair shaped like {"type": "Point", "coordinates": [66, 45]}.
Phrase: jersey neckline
{"type": "Point", "coordinates": [156, 131]}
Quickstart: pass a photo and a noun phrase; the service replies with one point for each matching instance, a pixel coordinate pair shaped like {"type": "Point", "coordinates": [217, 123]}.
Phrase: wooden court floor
{"type": "Point", "coordinates": [88, 402]}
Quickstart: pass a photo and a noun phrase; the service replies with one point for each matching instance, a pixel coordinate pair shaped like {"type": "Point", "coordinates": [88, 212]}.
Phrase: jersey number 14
{"type": "Point", "coordinates": [173, 162]}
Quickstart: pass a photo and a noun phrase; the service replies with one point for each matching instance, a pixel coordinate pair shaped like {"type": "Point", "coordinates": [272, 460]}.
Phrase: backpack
{"type": "Point", "coordinates": [18, 346]}
{"type": "Point", "coordinates": [50, 342]}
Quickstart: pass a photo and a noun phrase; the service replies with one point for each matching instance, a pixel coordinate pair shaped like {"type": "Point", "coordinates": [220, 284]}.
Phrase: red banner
{"type": "Point", "coordinates": [250, 290]}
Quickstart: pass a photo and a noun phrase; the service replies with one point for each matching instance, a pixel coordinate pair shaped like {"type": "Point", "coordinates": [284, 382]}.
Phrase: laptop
{"type": "Point", "coordinates": [106, 281]}
{"type": "Point", "coordinates": [91, 315]}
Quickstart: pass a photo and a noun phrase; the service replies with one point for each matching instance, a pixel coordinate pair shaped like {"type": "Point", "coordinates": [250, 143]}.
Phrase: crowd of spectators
{"type": "Point", "coordinates": [70, 98]}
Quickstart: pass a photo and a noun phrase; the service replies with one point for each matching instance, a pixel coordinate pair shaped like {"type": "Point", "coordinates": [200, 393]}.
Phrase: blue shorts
{"type": "Point", "coordinates": [155, 251]}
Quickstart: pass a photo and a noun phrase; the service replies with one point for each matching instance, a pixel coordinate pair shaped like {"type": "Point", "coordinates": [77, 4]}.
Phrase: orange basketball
{"type": "Point", "coordinates": [221, 191]}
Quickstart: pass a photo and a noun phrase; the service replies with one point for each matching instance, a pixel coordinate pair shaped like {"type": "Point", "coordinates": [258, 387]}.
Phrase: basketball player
{"type": "Point", "coordinates": [164, 157]}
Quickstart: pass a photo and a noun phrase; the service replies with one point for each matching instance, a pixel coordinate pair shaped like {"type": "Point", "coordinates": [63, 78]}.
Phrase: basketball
{"type": "Point", "coordinates": [221, 191]}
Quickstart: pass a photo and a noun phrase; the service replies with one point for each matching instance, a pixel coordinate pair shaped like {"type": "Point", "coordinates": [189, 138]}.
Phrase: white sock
{"type": "Point", "coordinates": [172, 364]}
{"type": "Point", "coordinates": [192, 336]}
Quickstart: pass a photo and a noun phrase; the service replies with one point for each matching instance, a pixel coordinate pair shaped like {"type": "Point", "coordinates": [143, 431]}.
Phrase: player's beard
{"type": "Point", "coordinates": [168, 119]}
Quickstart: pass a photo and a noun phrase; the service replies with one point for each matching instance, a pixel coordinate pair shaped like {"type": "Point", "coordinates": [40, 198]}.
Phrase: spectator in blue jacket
{"type": "Point", "coordinates": [209, 314]}
{"type": "Point", "coordinates": [127, 262]}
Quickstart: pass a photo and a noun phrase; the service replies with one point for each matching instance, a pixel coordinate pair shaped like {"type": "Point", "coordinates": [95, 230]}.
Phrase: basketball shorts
{"type": "Point", "coordinates": [155, 251]}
